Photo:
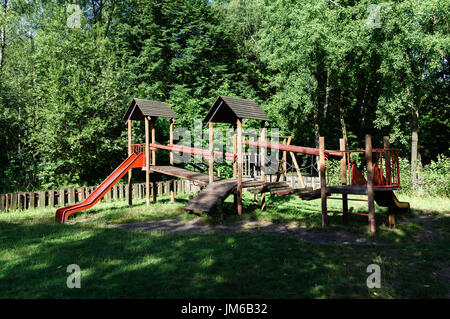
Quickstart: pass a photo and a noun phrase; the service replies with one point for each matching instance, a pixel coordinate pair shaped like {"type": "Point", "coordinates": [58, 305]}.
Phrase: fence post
{"type": "Point", "coordinates": [81, 194]}
{"type": "Point", "coordinates": [114, 190]}
{"type": "Point", "coordinates": [135, 190]}
{"type": "Point", "coordinates": [32, 200]}
{"type": "Point", "coordinates": [2, 202]}
{"type": "Point", "coordinates": [161, 188]}
{"type": "Point", "coordinates": [62, 198]}
{"type": "Point", "coordinates": [41, 199]}
{"type": "Point", "coordinates": [71, 196]}
{"type": "Point", "coordinates": [13, 201]}
{"type": "Point", "coordinates": [51, 198]}
{"type": "Point", "coordinates": [120, 192]}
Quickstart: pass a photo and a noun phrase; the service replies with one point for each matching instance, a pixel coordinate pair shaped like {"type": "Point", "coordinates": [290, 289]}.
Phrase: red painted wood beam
{"type": "Point", "coordinates": [292, 148]}
{"type": "Point", "coordinates": [192, 150]}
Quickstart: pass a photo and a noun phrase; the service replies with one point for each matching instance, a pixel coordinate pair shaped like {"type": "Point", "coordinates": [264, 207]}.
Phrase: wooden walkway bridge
{"type": "Point", "coordinates": [209, 196]}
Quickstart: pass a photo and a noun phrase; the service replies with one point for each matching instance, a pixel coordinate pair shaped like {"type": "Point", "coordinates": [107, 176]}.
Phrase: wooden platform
{"type": "Point", "coordinates": [183, 174]}
{"type": "Point", "coordinates": [356, 189]}
{"type": "Point", "coordinates": [208, 198]}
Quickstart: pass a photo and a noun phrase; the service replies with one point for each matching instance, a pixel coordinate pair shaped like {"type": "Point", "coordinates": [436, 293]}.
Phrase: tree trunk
{"type": "Point", "coordinates": [342, 120]}
{"type": "Point", "coordinates": [3, 36]}
{"type": "Point", "coordinates": [327, 95]}
{"type": "Point", "coordinates": [414, 143]}
{"type": "Point", "coordinates": [316, 130]}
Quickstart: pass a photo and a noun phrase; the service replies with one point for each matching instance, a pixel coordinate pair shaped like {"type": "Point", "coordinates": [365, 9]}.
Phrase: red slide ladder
{"type": "Point", "coordinates": [133, 161]}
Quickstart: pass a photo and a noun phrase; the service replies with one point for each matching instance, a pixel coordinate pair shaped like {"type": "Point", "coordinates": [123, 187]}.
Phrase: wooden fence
{"type": "Point", "coordinates": [63, 197]}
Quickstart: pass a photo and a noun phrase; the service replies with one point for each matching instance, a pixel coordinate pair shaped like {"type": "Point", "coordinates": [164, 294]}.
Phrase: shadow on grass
{"type": "Point", "coordinates": [117, 263]}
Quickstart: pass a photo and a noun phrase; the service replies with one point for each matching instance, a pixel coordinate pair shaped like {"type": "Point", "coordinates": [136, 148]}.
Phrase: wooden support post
{"type": "Point", "coordinates": [370, 190]}
{"type": "Point", "coordinates": [288, 142]}
{"type": "Point", "coordinates": [387, 145]}
{"type": "Point", "coordinates": [262, 151]}
{"type": "Point", "coordinates": [153, 152]}
{"type": "Point", "coordinates": [344, 179]}
{"type": "Point", "coordinates": [323, 185]}
{"type": "Point", "coordinates": [235, 153]}
{"type": "Point", "coordinates": [172, 191]}
{"type": "Point", "coordinates": [284, 164]}
{"type": "Point", "coordinates": [130, 175]}
{"type": "Point", "coordinates": [211, 152]}
{"type": "Point", "coordinates": [239, 166]}
{"type": "Point", "coordinates": [147, 160]}
{"type": "Point", "coordinates": [153, 141]}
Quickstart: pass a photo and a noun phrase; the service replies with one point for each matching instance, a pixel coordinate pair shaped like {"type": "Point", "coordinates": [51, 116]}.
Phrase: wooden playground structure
{"type": "Point", "coordinates": [382, 165]}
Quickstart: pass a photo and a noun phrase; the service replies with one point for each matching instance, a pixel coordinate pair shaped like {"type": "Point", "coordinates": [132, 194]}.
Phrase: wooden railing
{"type": "Point", "coordinates": [137, 148]}
{"type": "Point", "coordinates": [387, 162]}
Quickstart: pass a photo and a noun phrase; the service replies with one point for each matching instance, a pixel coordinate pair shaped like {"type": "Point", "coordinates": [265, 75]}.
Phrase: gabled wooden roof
{"type": "Point", "coordinates": [139, 109]}
{"type": "Point", "coordinates": [229, 109]}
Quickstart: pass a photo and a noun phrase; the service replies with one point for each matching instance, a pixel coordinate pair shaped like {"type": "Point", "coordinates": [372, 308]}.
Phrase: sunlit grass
{"type": "Point", "coordinates": [116, 263]}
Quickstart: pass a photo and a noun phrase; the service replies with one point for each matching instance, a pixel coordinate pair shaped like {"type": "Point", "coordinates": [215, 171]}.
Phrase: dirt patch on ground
{"type": "Point", "coordinates": [197, 225]}
{"type": "Point", "coordinates": [429, 233]}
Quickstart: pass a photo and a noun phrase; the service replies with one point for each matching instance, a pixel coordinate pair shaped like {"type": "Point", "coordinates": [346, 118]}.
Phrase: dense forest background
{"type": "Point", "coordinates": [317, 67]}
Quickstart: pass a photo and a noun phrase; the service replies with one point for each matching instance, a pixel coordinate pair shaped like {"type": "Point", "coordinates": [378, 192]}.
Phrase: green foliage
{"type": "Point", "coordinates": [316, 68]}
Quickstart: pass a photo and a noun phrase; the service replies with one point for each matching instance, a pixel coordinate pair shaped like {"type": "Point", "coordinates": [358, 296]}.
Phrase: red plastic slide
{"type": "Point", "coordinates": [132, 161]}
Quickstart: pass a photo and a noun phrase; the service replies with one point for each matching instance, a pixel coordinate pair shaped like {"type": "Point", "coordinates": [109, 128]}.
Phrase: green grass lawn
{"type": "Point", "coordinates": [119, 263]}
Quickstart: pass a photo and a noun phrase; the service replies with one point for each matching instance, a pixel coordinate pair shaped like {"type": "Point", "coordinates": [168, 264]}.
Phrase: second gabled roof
{"type": "Point", "coordinates": [227, 109]}
{"type": "Point", "coordinates": [140, 108]}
